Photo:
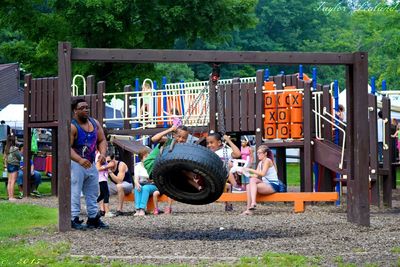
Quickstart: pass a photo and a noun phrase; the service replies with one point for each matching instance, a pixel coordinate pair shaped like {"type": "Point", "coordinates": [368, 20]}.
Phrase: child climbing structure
{"type": "Point", "coordinates": [356, 77]}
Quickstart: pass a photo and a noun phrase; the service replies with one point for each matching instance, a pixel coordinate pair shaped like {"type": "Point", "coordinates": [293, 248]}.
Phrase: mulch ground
{"type": "Point", "coordinates": [207, 235]}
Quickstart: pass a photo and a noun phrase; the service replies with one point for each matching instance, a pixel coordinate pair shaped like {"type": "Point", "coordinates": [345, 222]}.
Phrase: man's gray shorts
{"type": "Point", "coordinates": [128, 188]}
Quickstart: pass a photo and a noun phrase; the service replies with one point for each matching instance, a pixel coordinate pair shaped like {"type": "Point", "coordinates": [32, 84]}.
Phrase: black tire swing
{"type": "Point", "coordinates": [181, 168]}
{"type": "Point", "coordinates": [174, 167]}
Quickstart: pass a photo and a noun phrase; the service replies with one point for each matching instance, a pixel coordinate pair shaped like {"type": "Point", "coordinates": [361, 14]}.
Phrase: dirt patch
{"type": "Point", "coordinates": [207, 234]}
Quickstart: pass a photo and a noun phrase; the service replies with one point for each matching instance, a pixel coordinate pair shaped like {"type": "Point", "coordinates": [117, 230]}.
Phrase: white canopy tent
{"type": "Point", "coordinates": [13, 115]}
{"type": "Point", "coordinates": [394, 101]}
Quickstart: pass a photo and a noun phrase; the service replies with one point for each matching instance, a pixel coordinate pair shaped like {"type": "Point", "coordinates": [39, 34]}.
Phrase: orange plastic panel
{"type": "Point", "coordinates": [283, 130]}
{"type": "Point", "coordinates": [270, 100]}
{"type": "Point", "coordinates": [270, 131]}
{"type": "Point", "coordinates": [283, 115]}
{"type": "Point", "coordinates": [296, 130]}
{"type": "Point", "coordinates": [269, 85]}
{"type": "Point", "coordinates": [296, 115]}
{"type": "Point", "coordinates": [270, 116]}
{"type": "Point", "coordinates": [296, 99]}
{"type": "Point", "coordinates": [283, 100]}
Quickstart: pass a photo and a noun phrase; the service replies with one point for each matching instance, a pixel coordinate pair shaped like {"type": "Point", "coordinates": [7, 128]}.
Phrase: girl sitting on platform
{"type": "Point", "coordinates": [214, 143]}
{"type": "Point", "coordinates": [144, 186]}
{"type": "Point", "coordinates": [264, 180]}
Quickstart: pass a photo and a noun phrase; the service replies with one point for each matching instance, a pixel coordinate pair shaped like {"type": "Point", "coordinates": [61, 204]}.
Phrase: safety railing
{"type": "Point", "coordinates": [164, 107]}
{"type": "Point", "coordinates": [394, 96]}
{"type": "Point", "coordinates": [187, 101]}
{"type": "Point", "coordinates": [335, 122]}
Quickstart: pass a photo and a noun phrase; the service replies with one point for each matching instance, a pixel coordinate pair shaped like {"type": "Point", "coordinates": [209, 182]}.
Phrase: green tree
{"type": "Point", "coordinates": [113, 24]}
{"type": "Point", "coordinates": [282, 26]}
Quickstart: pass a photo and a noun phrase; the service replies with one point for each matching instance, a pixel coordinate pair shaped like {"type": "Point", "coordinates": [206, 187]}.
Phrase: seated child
{"type": "Point", "coordinates": [214, 143]}
{"type": "Point", "coordinates": [180, 135]}
{"type": "Point", "coordinates": [104, 197]}
{"type": "Point", "coordinates": [263, 180]}
{"type": "Point", "coordinates": [144, 186]}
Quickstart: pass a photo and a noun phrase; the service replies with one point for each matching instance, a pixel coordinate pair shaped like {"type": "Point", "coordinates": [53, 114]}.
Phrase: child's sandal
{"type": "Point", "coordinates": [168, 210]}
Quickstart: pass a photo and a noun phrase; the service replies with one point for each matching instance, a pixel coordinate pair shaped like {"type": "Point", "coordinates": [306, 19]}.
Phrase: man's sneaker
{"type": "Point", "coordinates": [36, 193]}
{"type": "Point", "coordinates": [77, 224]}
{"type": "Point", "coordinates": [96, 223]}
{"type": "Point", "coordinates": [101, 213]}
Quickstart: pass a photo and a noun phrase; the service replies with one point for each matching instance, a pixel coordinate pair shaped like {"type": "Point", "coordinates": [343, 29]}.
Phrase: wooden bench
{"type": "Point", "coordinates": [45, 178]}
{"type": "Point", "coordinates": [299, 198]}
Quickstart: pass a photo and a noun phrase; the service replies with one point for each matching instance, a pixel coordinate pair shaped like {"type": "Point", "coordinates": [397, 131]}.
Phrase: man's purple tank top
{"type": "Point", "coordinates": [85, 144]}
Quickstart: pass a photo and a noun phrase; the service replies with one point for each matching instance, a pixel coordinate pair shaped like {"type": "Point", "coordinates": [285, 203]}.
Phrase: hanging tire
{"type": "Point", "coordinates": [172, 171]}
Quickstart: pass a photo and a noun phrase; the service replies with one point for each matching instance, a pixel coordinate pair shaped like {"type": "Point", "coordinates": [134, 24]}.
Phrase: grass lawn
{"type": "Point", "coordinates": [19, 219]}
{"type": "Point", "coordinates": [44, 188]}
{"type": "Point", "coordinates": [293, 174]}
{"type": "Point", "coordinates": [25, 220]}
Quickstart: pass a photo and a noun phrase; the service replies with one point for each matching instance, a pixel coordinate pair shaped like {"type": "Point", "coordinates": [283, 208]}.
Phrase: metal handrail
{"type": "Point", "coordinates": [336, 126]}
{"type": "Point", "coordinates": [75, 87]}
{"type": "Point", "coordinates": [385, 145]}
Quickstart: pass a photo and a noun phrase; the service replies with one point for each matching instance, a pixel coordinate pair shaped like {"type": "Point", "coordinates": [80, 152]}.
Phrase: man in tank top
{"type": "Point", "coordinates": [120, 183]}
{"type": "Point", "coordinates": [86, 136]}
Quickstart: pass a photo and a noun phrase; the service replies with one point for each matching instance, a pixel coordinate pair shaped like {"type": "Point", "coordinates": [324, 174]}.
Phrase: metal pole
{"type": "Point", "coordinates": [266, 75]}
{"type": "Point", "coordinates": [163, 83]}
{"type": "Point", "coordinates": [373, 85]}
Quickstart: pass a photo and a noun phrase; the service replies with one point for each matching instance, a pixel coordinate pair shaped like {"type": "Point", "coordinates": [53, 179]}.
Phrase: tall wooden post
{"type": "Point", "coordinates": [387, 154]}
{"type": "Point", "coordinates": [357, 140]}
{"type": "Point", "coordinates": [308, 158]}
{"type": "Point", "coordinates": [373, 150]}
{"type": "Point", "coordinates": [64, 128]}
{"type": "Point", "coordinates": [259, 106]}
{"type": "Point", "coordinates": [27, 136]}
{"type": "Point", "coordinates": [101, 89]}
{"type": "Point", "coordinates": [327, 181]}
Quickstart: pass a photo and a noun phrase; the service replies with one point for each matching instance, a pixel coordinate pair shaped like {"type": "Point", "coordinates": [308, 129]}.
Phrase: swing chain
{"type": "Point", "coordinates": [221, 124]}
{"type": "Point", "coordinates": [215, 75]}
{"type": "Point", "coordinates": [221, 117]}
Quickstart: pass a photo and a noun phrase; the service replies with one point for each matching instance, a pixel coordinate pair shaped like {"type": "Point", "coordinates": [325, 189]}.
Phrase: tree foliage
{"type": "Point", "coordinates": [31, 29]}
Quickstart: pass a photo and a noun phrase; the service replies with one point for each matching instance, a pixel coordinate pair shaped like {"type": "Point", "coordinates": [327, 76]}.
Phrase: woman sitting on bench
{"type": "Point", "coordinates": [35, 177]}
{"type": "Point", "coordinates": [264, 180]}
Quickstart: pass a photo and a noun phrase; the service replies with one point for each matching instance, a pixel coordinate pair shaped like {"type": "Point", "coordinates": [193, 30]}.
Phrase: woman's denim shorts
{"type": "Point", "coordinates": [12, 168]}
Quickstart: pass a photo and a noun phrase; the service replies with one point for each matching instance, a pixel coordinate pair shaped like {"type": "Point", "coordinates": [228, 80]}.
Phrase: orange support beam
{"type": "Point", "coordinates": [150, 204]}
{"type": "Point", "coordinates": [299, 198]}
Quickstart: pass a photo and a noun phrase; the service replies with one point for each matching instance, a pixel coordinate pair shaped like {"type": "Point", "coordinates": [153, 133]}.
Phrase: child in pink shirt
{"type": "Point", "coordinates": [104, 196]}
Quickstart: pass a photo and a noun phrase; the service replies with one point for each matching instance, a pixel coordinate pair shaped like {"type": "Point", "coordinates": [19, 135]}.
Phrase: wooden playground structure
{"type": "Point", "coordinates": [45, 107]}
